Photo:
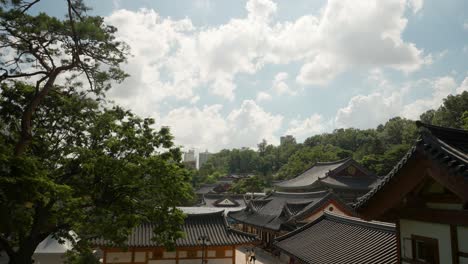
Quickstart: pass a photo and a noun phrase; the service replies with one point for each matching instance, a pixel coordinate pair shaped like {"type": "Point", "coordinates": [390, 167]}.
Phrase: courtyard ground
{"type": "Point", "coordinates": [262, 256]}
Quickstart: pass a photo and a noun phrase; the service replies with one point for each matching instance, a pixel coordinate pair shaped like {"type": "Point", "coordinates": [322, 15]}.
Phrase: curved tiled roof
{"type": "Point", "coordinates": [447, 146]}
{"type": "Point", "coordinates": [215, 200]}
{"type": "Point", "coordinates": [350, 183]}
{"type": "Point", "coordinates": [334, 238]}
{"type": "Point", "coordinates": [308, 177]}
{"type": "Point", "coordinates": [279, 208]}
{"type": "Point", "coordinates": [322, 173]}
{"type": "Point", "coordinates": [213, 225]}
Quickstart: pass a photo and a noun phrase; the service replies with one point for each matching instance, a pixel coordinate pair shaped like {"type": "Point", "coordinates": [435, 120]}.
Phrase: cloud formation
{"type": "Point", "coordinates": [173, 59]}
{"type": "Point", "coordinates": [207, 128]}
{"type": "Point", "coordinates": [367, 111]}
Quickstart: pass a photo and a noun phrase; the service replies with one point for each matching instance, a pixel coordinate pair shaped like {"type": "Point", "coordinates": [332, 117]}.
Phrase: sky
{"type": "Point", "coordinates": [227, 74]}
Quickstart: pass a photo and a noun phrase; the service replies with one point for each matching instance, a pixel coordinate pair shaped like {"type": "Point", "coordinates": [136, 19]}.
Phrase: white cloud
{"type": "Point", "coordinates": [249, 124]}
{"type": "Point", "coordinates": [173, 58]}
{"type": "Point", "coordinates": [441, 88]}
{"type": "Point", "coordinates": [465, 25]}
{"type": "Point", "coordinates": [280, 86]}
{"type": "Point", "coordinates": [463, 86]}
{"type": "Point", "coordinates": [320, 71]}
{"type": "Point", "coordinates": [303, 128]}
{"type": "Point", "coordinates": [416, 5]}
{"type": "Point", "coordinates": [260, 9]}
{"type": "Point", "coordinates": [366, 111]}
{"type": "Point", "coordinates": [263, 96]}
{"type": "Point", "coordinates": [207, 128]}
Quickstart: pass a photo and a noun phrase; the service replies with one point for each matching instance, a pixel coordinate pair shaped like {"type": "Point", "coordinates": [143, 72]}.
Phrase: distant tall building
{"type": "Point", "coordinates": [203, 157]}
{"type": "Point", "coordinates": [189, 159]}
{"type": "Point", "coordinates": [287, 139]}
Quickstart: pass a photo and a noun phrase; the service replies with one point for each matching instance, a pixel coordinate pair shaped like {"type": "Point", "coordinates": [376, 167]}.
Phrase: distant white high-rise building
{"type": "Point", "coordinates": [190, 160]}
{"type": "Point", "coordinates": [189, 156]}
{"type": "Point", "coordinates": [203, 157]}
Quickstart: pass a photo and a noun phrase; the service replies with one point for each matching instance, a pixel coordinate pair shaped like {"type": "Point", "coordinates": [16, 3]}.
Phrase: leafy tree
{"type": "Point", "coordinates": [44, 48]}
{"type": "Point", "coordinates": [248, 185]}
{"type": "Point", "coordinates": [95, 169]}
{"type": "Point", "coordinates": [383, 164]}
{"type": "Point", "coordinates": [307, 156]}
{"type": "Point", "coordinates": [450, 113]}
{"type": "Point", "coordinates": [465, 120]}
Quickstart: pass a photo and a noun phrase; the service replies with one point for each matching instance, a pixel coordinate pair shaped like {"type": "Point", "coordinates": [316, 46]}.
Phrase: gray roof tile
{"type": "Point", "coordinates": [213, 225]}
{"type": "Point", "coordinates": [341, 239]}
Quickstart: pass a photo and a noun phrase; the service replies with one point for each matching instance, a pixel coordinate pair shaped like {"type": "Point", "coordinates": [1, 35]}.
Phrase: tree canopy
{"type": "Point", "coordinates": [80, 48]}
{"type": "Point", "coordinates": [378, 149]}
{"type": "Point", "coordinates": [93, 169]}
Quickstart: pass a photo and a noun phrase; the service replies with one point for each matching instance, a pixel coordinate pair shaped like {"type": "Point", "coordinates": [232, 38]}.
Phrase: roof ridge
{"type": "Point", "coordinates": [306, 194]}
{"type": "Point", "coordinates": [300, 229]}
{"type": "Point", "coordinates": [383, 226]}
{"type": "Point", "coordinates": [333, 162]}
{"type": "Point", "coordinates": [221, 212]}
{"type": "Point", "coordinates": [313, 165]}
{"type": "Point", "coordinates": [449, 129]}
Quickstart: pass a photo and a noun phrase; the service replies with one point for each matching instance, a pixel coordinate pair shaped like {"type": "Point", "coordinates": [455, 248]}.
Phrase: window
{"type": "Point", "coordinates": [425, 249]}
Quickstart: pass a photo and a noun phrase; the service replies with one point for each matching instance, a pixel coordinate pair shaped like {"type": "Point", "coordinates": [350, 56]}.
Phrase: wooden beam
{"type": "Point", "coordinates": [450, 217]}
{"type": "Point", "coordinates": [455, 183]}
{"type": "Point", "coordinates": [233, 254]}
{"type": "Point", "coordinates": [398, 237]}
{"type": "Point", "coordinates": [393, 192]}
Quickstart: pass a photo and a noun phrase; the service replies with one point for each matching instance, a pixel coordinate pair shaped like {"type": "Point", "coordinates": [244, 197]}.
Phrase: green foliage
{"type": "Point", "coordinates": [377, 149]}
{"type": "Point", "coordinates": [93, 169]}
{"type": "Point", "coordinates": [465, 120]}
{"type": "Point", "coordinates": [46, 46]}
{"type": "Point", "coordinates": [450, 113]}
{"type": "Point", "coordinates": [307, 156]}
{"type": "Point", "coordinates": [248, 185]}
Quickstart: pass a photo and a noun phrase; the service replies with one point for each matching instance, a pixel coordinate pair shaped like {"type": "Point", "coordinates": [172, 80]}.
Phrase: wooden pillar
{"type": "Point", "coordinates": [104, 252]}
{"type": "Point", "coordinates": [454, 243]}
{"type": "Point", "coordinates": [133, 255]}
{"type": "Point", "coordinates": [233, 254]}
{"type": "Point", "coordinates": [398, 240]}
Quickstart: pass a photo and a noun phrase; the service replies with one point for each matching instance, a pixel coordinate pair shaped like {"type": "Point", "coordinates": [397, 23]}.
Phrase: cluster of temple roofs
{"type": "Point", "coordinates": [347, 178]}
{"type": "Point", "coordinates": [328, 213]}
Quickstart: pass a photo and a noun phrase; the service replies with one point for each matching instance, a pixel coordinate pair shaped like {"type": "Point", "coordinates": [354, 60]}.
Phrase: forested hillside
{"type": "Point", "coordinates": [378, 149]}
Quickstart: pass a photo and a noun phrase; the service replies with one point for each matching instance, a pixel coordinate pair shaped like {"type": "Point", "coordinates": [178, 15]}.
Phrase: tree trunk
{"type": "Point", "coordinates": [26, 120]}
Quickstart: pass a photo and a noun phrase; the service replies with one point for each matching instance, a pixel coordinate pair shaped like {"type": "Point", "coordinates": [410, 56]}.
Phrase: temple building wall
{"type": "Point", "coordinates": [441, 232]}
{"type": "Point", "coordinates": [214, 255]}
{"type": "Point", "coordinates": [329, 207]}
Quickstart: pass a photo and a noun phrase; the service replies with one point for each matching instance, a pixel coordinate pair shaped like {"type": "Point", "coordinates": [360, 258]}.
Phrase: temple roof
{"type": "Point", "coordinates": [446, 146]}
{"type": "Point", "coordinates": [279, 208]}
{"type": "Point", "coordinates": [334, 238]}
{"type": "Point", "coordinates": [223, 200]}
{"type": "Point", "coordinates": [213, 225]}
{"type": "Point", "coordinates": [323, 172]}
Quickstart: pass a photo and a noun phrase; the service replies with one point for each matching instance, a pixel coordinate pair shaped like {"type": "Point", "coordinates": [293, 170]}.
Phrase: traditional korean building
{"type": "Point", "coordinates": [208, 238]}
{"type": "Point", "coordinates": [279, 212]}
{"type": "Point", "coordinates": [426, 195]}
{"type": "Point", "coordinates": [223, 200]}
{"type": "Point", "coordinates": [334, 238]}
{"type": "Point", "coordinates": [347, 178]}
